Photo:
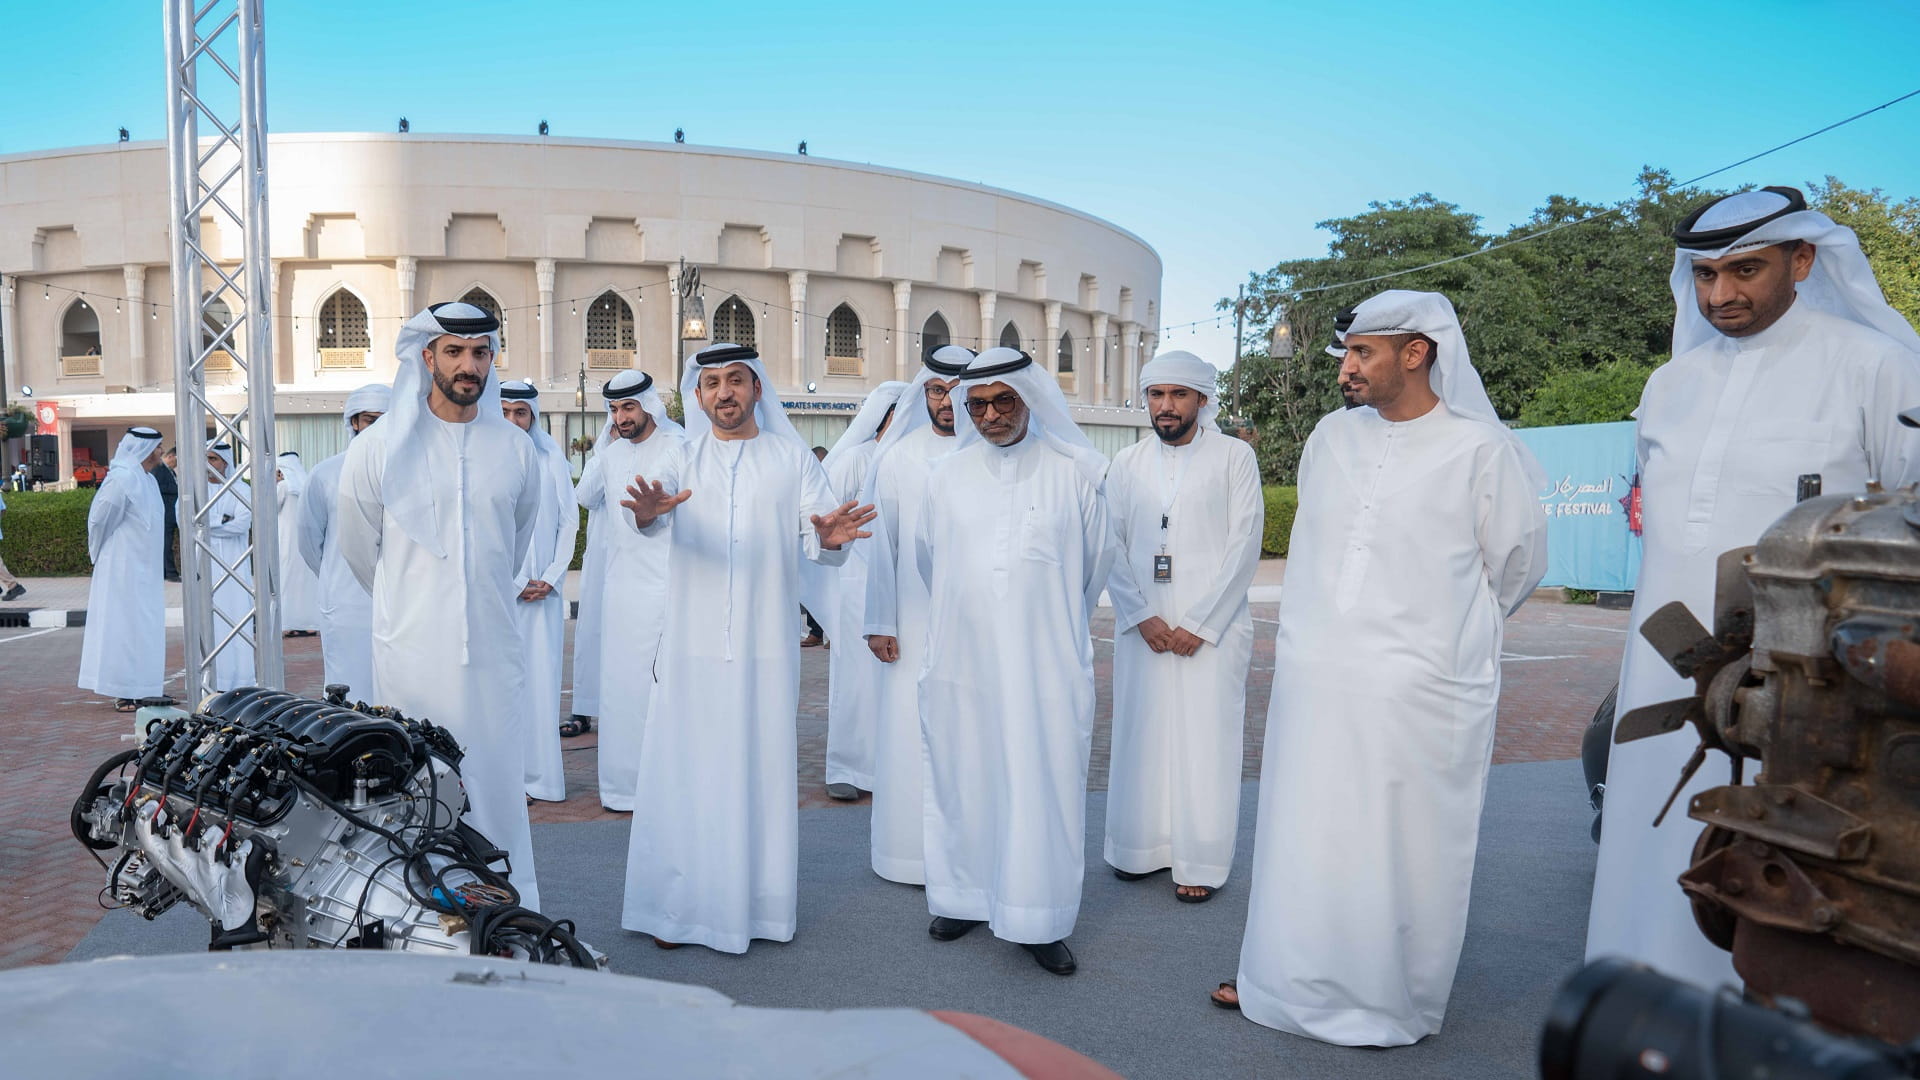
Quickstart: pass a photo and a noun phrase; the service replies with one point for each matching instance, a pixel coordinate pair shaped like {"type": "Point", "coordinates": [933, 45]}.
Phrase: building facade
{"type": "Point", "coordinates": [841, 275]}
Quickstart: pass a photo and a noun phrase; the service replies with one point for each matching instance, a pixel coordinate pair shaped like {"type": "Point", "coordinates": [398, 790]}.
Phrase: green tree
{"type": "Point", "coordinates": [1889, 235]}
{"type": "Point", "coordinates": [1596, 395]}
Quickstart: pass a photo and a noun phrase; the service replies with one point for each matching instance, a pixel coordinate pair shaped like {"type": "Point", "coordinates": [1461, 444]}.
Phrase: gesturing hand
{"type": "Point", "coordinates": [842, 526]}
{"type": "Point", "coordinates": [648, 501]}
{"type": "Point", "coordinates": [885, 649]}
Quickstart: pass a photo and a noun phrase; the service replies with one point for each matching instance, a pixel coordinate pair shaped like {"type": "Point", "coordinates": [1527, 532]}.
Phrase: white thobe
{"type": "Point", "coordinates": [851, 667]}
{"type": "Point", "coordinates": [897, 607]}
{"type": "Point", "coordinates": [632, 606]}
{"type": "Point", "coordinates": [1413, 542]}
{"type": "Point", "coordinates": [1015, 551]}
{"type": "Point", "coordinates": [590, 493]}
{"type": "Point", "coordinates": [124, 651]}
{"type": "Point", "coordinates": [1173, 789]}
{"type": "Point", "coordinates": [543, 626]}
{"type": "Point", "coordinates": [1726, 430]}
{"type": "Point", "coordinates": [714, 853]}
{"type": "Point", "coordinates": [344, 607]}
{"type": "Point", "coordinates": [445, 647]}
{"type": "Point", "coordinates": [229, 536]}
{"type": "Point", "coordinates": [299, 584]}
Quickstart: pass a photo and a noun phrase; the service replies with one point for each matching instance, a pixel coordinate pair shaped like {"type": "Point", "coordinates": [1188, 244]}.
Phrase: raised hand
{"type": "Point", "coordinates": [842, 526]}
{"type": "Point", "coordinates": [648, 501]}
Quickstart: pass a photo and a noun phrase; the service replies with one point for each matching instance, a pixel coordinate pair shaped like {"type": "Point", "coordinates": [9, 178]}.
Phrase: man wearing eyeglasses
{"type": "Point", "coordinates": [1015, 551]}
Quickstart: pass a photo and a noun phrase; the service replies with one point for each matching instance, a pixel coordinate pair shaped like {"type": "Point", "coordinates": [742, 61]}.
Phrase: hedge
{"type": "Point", "coordinates": [1282, 502]}
{"type": "Point", "coordinates": [46, 533]}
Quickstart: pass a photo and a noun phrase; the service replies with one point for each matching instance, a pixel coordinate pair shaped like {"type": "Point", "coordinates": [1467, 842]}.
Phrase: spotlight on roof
{"type": "Point", "coordinates": [123, 135]}
{"type": "Point", "coordinates": [404, 126]}
{"type": "Point", "coordinates": [26, 391]}
{"type": "Point", "coordinates": [803, 148]}
{"type": "Point", "coordinates": [543, 127]}
{"type": "Point", "coordinates": [812, 387]}
{"type": "Point", "coordinates": [679, 135]}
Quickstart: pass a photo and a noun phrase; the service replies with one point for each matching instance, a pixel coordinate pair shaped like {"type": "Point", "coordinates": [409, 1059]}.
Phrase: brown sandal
{"type": "Point", "coordinates": [1220, 1002]}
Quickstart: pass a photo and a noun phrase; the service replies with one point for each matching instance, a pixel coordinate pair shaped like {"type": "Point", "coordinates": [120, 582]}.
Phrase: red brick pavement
{"type": "Point", "coordinates": [1561, 662]}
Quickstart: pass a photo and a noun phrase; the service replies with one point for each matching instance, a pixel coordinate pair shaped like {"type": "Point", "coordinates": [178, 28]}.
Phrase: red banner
{"type": "Point", "coordinates": [47, 415]}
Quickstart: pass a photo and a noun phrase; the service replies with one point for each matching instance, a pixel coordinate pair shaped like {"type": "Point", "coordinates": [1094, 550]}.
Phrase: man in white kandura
{"type": "Point", "coordinates": [1786, 362]}
{"type": "Point", "coordinates": [540, 605]}
{"type": "Point", "coordinates": [299, 585]}
{"type": "Point", "coordinates": [638, 439]}
{"type": "Point", "coordinates": [895, 620]}
{"type": "Point", "coordinates": [590, 493]}
{"type": "Point", "coordinates": [1187, 516]}
{"type": "Point", "coordinates": [852, 672]}
{"type": "Point", "coordinates": [436, 509]}
{"type": "Point", "coordinates": [1015, 552]}
{"type": "Point", "coordinates": [1419, 532]}
{"type": "Point", "coordinates": [123, 654]}
{"type": "Point", "coordinates": [345, 607]}
{"type": "Point", "coordinates": [230, 535]}
{"type": "Point", "coordinates": [714, 854]}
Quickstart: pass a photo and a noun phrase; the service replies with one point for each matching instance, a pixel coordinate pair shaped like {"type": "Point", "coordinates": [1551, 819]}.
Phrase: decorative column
{"type": "Point", "coordinates": [1051, 343]}
{"type": "Point", "coordinates": [406, 268]}
{"type": "Point", "coordinates": [136, 290]}
{"type": "Point", "coordinates": [1129, 358]}
{"type": "Point", "coordinates": [10, 338]}
{"type": "Point", "coordinates": [797, 299]}
{"type": "Point", "coordinates": [1101, 396]}
{"type": "Point", "coordinates": [902, 330]}
{"type": "Point", "coordinates": [543, 270]}
{"type": "Point", "coordinates": [987, 300]}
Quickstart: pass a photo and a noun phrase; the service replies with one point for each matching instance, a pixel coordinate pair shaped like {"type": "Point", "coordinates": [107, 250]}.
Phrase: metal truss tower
{"type": "Point", "coordinates": [217, 171]}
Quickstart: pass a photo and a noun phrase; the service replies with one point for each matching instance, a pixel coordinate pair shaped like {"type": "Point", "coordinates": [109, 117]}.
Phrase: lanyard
{"type": "Point", "coordinates": [1167, 495]}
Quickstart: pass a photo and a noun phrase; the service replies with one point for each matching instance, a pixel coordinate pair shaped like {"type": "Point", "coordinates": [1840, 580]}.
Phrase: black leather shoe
{"type": "Point", "coordinates": [945, 929]}
{"type": "Point", "coordinates": [1054, 956]}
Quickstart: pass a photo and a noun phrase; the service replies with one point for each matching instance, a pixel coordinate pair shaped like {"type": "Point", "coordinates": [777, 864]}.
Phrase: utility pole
{"type": "Point", "coordinates": [1239, 316]}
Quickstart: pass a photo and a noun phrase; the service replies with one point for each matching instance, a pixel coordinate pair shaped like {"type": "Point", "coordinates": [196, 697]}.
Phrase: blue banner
{"type": "Point", "coordinates": [1590, 473]}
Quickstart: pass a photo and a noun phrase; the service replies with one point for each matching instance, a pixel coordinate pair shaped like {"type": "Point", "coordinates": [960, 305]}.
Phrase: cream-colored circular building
{"type": "Point", "coordinates": [842, 275]}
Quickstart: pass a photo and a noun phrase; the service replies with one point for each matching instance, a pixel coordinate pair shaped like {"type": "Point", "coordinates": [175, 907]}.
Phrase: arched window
{"type": "Point", "coordinates": [733, 322]}
{"type": "Point", "coordinates": [843, 342]}
{"type": "Point", "coordinates": [215, 317]}
{"type": "Point", "coordinates": [342, 336]}
{"type": "Point", "coordinates": [1009, 336]}
{"type": "Point", "coordinates": [1065, 353]}
{"type": "Point", "coordinates": [80, 340]}
{"type": "Point", "coordinates": [484, 300]}
{"type": "Point", "coordinates": [934, 335]}
{"type": "Point", "coordinates": [610, 341]}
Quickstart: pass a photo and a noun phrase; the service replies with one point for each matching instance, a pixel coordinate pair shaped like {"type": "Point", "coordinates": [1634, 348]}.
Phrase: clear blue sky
{"type": "Point", "coordinates": [1218, 132]}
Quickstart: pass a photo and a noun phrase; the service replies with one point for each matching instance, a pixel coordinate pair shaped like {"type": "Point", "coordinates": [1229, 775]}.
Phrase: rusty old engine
{"type": "Point", "coordinates": [1809, 872]}
{"type": "Point", "coordinates": [295, 823]}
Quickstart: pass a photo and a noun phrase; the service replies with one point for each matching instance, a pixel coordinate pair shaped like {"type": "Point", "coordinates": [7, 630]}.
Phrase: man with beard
{"type": "Point", "coordinates": [1187, 515]}
{"type": "Point", "coordinates": [437, 507]}
{"type": "Point", "coordinates": [345, 609]}
{"type": "Point", "coordinates": [1015, 552]}
{"type": "Point", "coordinates": [638, 439]}
{"type": "Point", "coordinates": [540, 608]}
{"type": "Point", "coordinates": [895, 616]}
{"type": "Point", "coordinates": [714, 851]}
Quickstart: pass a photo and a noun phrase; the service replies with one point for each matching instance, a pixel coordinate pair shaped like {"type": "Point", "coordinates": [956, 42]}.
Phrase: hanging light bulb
{"type": "Point", "coordinates": [574, 306]}
{"type": "Point", "coordinates": [154, 312]}
{"type": "Point", "coordinates": [45, 293]}
{"type": "Point", "coordinates": [116, 305]}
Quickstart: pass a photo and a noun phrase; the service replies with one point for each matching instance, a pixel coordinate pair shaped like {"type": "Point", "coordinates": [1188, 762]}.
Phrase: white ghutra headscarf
{"type": "Point", "coordinates": [373, 397]}
{"type": "Point", "coordinates": [126, 470]}
{"type": "Point", "coordinates": [1049, 418]}
{"type": "Point", "coordinates": [1180, 368]}
{"type": "Point", "coordinates": [879, 401]}
{"type": "Point", "coordinates": [406, 485]}
{"type": "Point", "coordinates": [633, 383]}
{"type": "Point", "coordinates": [767, 413]}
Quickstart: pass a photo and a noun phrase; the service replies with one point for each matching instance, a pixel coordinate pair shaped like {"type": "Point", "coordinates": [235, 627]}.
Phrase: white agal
{"type": "Point", "coordinates": [230, 531]}
{"type": "Point", "coordinates": [1414, 541]}
{"type": "Point", "coordinates": [1173, 795]}
{"type": "Point", "coordinates": [445, 647]}
{"type": "Point", "coordinates": [344, 608]}
{"type": "Point", "coordinates": [631, 605]}
{"type": "Point", "coordinates": [851, 667]}
{"type": "Point", "coordinates": [714, 852]}
{"type": "Point", "coordinates": [1015, 551]}
{"type": "Point", "coordinates": [123, 654]}
{"type": "Point", "coordinates": [897, 607]}
{"type": "Point", "coordinates": [543, 623]}
{"type": "Point", "coordinates": [1726, 431]}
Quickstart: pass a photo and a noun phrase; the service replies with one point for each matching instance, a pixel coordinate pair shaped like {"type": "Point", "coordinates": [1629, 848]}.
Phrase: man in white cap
{"type": "Point", "coordinates": [1015, 550]}
{"type": "Point", "coordinates": [436, 510]}
{"type": "Point", "coordinates": [230, 534]}
{"type": "Point", "coordinates": [299, 584]}
{"type": "Point", "coordinates": [123, 654]}
{"type": "Point", "coordinates": [894, 621]}
{"type": "Point", "coordinates": [852, 672]}
{"type": "Point", "coordinates": [540, 605]}
{"type": "Point", "coordinates": [1187, 516]}
{"type": "Point", "coordinates": [714, 852]}
{"type": "Point", "coordinates": [345, 607]}
{"type": "Point", "coordinates": [1786, 363]}
{"type": "Point", "coordinates": [1419, 532]}
{"type": "Point", "coordinates": [638, 439]}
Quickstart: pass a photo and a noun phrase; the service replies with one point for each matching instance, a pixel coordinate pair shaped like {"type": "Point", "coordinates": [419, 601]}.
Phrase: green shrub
{"type": "Point", "coordinates": [46, 533]}
{"type": "Point", "coordinates": [1282, 503]}
{"type": "Point", "coordinates": [580, 541]}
